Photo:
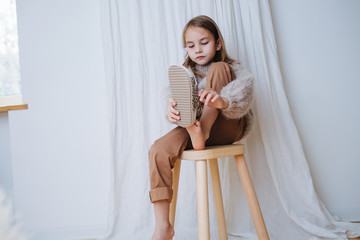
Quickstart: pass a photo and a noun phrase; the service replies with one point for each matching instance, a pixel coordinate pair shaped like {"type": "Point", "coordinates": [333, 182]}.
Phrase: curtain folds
{"type": "Point", "coordinates": [141, 40]}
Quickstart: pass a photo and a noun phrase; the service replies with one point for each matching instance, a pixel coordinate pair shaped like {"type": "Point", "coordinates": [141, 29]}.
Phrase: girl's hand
{"type": "Point", "coordinates": [213, 99]}
{"type": "Point", "coordinates": [173, 115]}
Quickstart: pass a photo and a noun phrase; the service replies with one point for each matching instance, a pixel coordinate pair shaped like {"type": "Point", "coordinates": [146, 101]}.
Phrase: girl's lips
{"type": "Point", "coordinates": [200, 57]}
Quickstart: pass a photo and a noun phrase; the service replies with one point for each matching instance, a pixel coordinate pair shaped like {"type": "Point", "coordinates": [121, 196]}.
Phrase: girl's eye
{"type": "Point", "coordinates": [191, 46]}
{"type": "Point", "coordinates": [204, 43]}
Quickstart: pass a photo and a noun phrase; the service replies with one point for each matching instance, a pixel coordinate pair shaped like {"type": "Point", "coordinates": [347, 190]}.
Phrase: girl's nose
{"type": "Point", "coordinates": [198, 50]}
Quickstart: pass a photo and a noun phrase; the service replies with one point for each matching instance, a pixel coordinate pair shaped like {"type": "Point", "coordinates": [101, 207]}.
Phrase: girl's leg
{"type": "Point", "coordinates": [199, 131]}
{"type": "Point", "coordinates": [220, 74]}
{"type": "Point", "coordinates": [162, 156]}
{"type": "Point", "coordinates": [163, 228]}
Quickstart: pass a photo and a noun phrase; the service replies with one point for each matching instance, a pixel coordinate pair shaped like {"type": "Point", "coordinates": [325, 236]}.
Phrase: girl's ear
{"type": "Point", "coordinates": [218, 45]}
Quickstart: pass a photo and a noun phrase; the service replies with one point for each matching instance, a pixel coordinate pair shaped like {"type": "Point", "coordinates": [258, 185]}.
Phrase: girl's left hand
{"type": "Point", "coordinates": [213, 99]}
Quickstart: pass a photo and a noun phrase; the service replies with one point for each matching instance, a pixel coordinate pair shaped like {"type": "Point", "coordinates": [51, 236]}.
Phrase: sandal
{"type": "Point", "coordinates": [184, 91]}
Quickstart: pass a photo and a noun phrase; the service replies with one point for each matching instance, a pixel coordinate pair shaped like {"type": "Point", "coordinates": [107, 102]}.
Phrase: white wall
{"type": "Point", "coordinates": [60, 147]}
{"type": "Point", "coordinates": [318, 44]}
{"type": "Point", "coordinates": [6, 182]}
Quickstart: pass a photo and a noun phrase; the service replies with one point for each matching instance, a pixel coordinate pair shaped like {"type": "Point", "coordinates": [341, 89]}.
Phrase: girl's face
{"type": "Point", "coordinates": [201, 45]}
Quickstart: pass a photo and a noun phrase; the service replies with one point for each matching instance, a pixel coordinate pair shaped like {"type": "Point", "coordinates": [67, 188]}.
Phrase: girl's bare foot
{"type": "Point", "coordinates": [163, 233]}
{"type": "Point", "coordinates": [197, 136]}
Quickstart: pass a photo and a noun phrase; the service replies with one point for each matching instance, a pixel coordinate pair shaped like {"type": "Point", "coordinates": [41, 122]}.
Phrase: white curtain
{"type": "Point", "coordinates": [141, 40]}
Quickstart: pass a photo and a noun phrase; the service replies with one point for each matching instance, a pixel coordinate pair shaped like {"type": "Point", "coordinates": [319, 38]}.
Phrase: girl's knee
{"type": "Point", "coordinates": [219, 75]}
{"type": "Point", "coordinates": [154, 151]}
{"type": "Point", "coordinates": [220, 66]}
{"type": "Point", "coordinates": [158, 155]}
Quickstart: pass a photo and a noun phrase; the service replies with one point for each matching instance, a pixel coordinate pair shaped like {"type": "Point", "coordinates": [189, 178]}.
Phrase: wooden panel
{"type": "Point", "coordinates": [213, 152]}
{"type": "Point", "coordinates": [203, 200]}
{"type": "Point", "coordinates": [251, 197]}
{"type": "Point", "coordinates": [14, 107]}
{"type": "Point", "coordinates": [175, 186]}
{"type": "Point", "coordinates": [218, 201]}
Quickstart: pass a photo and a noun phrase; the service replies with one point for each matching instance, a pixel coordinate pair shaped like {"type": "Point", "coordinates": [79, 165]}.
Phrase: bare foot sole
{"type": "Point", "coordinates": [196, 136]}
{"type": "Point", "coordinates": [163, 234]}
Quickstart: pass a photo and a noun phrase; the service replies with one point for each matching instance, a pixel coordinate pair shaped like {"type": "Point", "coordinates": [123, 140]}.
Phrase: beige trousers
{"type": "Point", "coordinates": [165, 151]}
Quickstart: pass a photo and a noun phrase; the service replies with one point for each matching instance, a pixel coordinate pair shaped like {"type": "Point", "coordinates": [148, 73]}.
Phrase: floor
{"type": "Point", "coordinates": [358, 238]}
{"type": "Point", "coordinates": [349, 238]}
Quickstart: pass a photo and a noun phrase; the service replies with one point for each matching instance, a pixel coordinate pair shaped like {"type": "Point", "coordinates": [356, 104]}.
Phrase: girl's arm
{"type": "Point", "coordinates": [239, 93]}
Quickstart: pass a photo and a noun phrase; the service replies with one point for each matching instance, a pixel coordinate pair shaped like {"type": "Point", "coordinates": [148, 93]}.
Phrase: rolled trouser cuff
{"type": "Point", "coordinates": [161, 193]}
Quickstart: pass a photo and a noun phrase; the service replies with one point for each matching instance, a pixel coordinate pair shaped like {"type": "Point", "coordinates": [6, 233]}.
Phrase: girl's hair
{"type": "Point", "coordinates": [208, 24]}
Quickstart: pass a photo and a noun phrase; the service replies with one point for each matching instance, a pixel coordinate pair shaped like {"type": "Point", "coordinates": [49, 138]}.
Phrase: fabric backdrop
{"type": "Point", "coordinates": [141, 40]}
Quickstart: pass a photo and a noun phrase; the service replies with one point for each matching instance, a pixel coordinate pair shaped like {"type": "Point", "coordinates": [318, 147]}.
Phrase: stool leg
{"type": "Point", "coordinates": [202, 199]}
{"type": "Point", "coordinates": [219, 206]}
{"type": "Point", "coordinates": [175, 186]}
{"type": "Point", "coordinates": [251, 197]}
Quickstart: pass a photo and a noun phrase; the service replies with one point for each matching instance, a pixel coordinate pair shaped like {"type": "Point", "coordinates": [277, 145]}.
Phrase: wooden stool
{"type": "Point", "coordinates": [211, 154]}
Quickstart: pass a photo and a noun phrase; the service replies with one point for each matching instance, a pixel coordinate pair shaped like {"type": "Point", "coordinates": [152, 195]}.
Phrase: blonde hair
{"type": "Point", "coordinates": [208, 24]}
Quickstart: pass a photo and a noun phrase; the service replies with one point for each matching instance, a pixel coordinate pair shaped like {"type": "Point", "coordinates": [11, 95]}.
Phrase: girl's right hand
{"type": "Point", "coordinates": [173, 114]}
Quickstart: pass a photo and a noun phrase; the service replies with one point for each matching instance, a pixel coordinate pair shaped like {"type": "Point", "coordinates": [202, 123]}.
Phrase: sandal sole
{"type": "Point", "coordinates": [182, 87]}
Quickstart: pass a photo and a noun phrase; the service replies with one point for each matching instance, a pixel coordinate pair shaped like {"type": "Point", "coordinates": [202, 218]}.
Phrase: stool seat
{"type": "Point", "coordinates": [211, 154]}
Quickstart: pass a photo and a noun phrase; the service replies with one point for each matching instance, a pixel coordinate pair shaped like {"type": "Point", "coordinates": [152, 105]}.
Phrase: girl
{"type": "Point", "coordinates": [225, 88]}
